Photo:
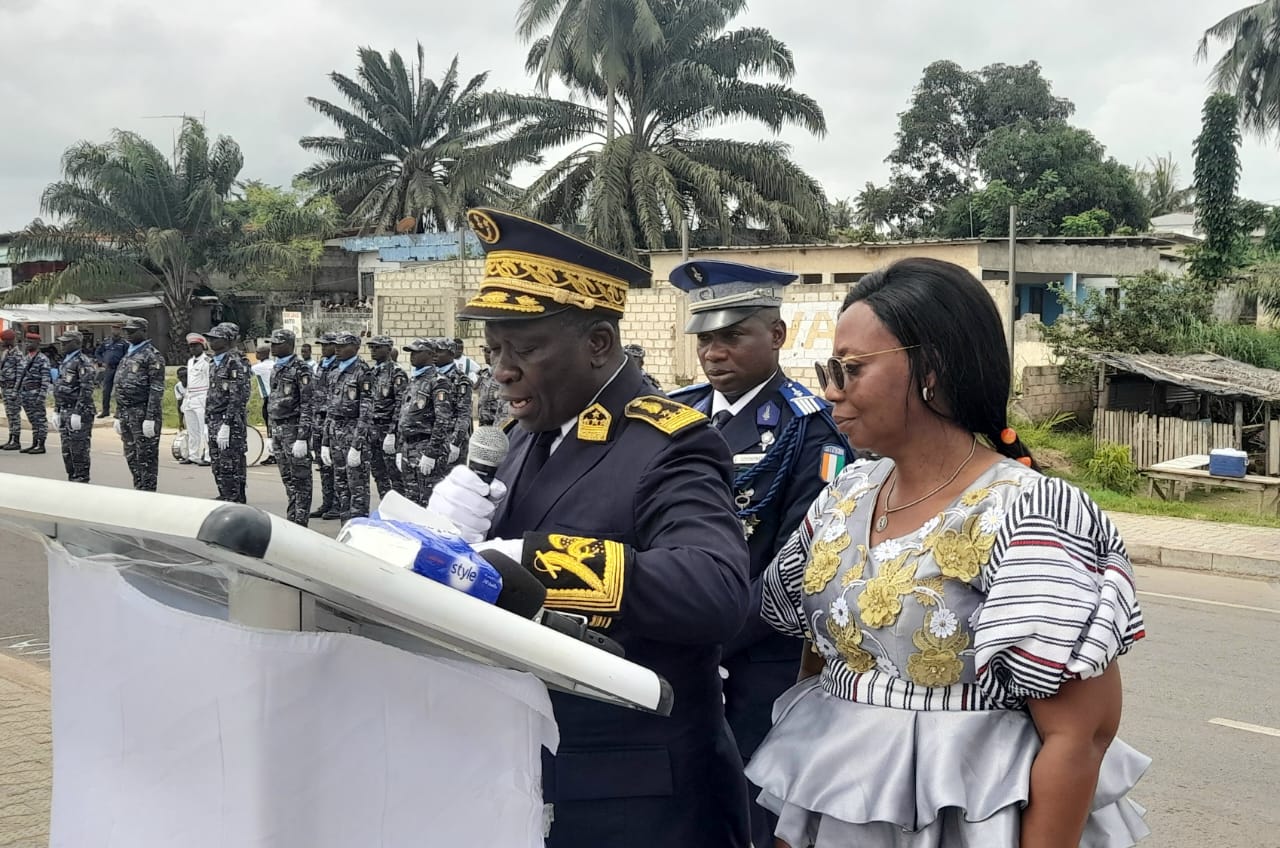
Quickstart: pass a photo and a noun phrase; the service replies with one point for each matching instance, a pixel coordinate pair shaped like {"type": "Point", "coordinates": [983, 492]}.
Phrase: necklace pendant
{"type": "Point", "coordinates": [881, 523]}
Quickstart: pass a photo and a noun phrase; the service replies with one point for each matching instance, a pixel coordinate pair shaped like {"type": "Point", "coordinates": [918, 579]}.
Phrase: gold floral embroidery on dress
{"type": "Point", "coordinates": [848, 641]}
{"type": "Point", "coordinates": [961, 555]}
{"type": "Point", "coordinates": [928, 591]}
{"type": "Point", "coordinates": [881, 600]}
{"type": "Point", "coordinates": [940, 641]}
{"type": "Point", "coordinates": [854, 574]}
{"type": "Point", "coordinates": [824, 557]}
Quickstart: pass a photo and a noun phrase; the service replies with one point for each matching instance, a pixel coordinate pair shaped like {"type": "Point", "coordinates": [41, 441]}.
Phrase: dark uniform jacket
{"type": "Point", "coordinates": [351, 403]}
{"type": "Point", "coordinates": [640, 492]}
{"type": "Point", "coordinates": [35, 377]}
{"type": "Point", "coordinates": [389, 384]}
{"type": "Point", "coordinates": [417, 419]}
{"type": "Point", "coordinates": [11, 368]}
{"type": "Point", "coordinates": [228, 386]}
{"type": "Point", "coordinates": [140, 381]}
{"type": "Point", "coordinates": [73, 393]}
{"type": "Point", "coordinates": [111, 352]}
{"type": "Point", "coordinates": [290, 399]}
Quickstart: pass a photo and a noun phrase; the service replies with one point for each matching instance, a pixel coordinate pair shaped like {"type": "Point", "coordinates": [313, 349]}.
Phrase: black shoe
{"type": "Point", "coordinates": [38, 447]}
{"type": "Point", "coordinates": [320, 512]}
{"type": "Point", "coordinates": [12, 444]}
{"type": "Point", "coordinates": [104, 414]}
{"type": "Point", "coordinates": [271, 460]}
{"type": "Point", "coordinates": [30, 449]}
{"type": "Point", "coordinates": [331, 516]}
{"type": "Point", "coordinates": [185, 462]}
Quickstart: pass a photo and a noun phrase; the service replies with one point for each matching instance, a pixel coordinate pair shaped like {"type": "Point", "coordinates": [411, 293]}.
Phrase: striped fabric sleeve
{"type": "Point", "coordinates": [781, 597]}
{"type": "Point", "coordinates": [1060, 600]}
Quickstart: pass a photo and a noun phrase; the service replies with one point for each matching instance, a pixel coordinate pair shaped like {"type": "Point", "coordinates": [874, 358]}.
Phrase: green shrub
{"type": "Point", "coordinates": [1111, 467]}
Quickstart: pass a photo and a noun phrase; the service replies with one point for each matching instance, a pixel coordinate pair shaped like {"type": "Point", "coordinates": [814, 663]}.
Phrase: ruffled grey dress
{"type": "Point", "coordinates": [916, 734]}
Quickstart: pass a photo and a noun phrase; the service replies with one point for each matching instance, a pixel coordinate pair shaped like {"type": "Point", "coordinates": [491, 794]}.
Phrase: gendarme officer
{"type": "Point", "coordinates": [139, 396]}
{"type": "Point", "coordinates": [390, 383]}
{"type": "Point", "coordinates": [226, 412]}
{"type": "Point", "coordinates": [73, 406]}
{"type": "Point", "coordinates": [619, 502]}
{"type": "Point", "coordinates": [786, 449]}
{"type": "Point", "coordinates": [291, 411]}
{"type": "Point", "coordinates": [350, 422]}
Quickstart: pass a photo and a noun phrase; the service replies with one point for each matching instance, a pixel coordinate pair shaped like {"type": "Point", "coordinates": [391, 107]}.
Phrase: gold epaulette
{"type": "Point", "coordinates": [666, 414]}
{"type": "Point", "coordinates": [507, 425]}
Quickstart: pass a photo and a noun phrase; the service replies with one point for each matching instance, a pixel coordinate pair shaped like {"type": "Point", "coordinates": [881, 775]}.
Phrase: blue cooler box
{"type": "Point", "coordinates": [1227, 462]}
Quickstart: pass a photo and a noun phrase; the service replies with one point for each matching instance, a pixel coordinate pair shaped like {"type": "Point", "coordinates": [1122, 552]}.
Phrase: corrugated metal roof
{"type": "Point", "coordinates": [38, 313]}
{"type": "Point", "coordinates": [1090, 241]}
{"type": "Point", "coordinates": [413, 247]}
{"type": "Point", "coordinates": [1203, 372]}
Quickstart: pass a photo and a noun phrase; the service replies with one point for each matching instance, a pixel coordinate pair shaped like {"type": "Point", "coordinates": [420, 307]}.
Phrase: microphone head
{"type": "Point", "coordinates": [488, 447]}
{"type": "Point", "coordinates": [522, 593]}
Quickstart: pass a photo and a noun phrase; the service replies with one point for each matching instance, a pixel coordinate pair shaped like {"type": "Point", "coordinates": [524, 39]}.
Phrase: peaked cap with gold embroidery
{"type": "Point", "coordinates": [532, 270]}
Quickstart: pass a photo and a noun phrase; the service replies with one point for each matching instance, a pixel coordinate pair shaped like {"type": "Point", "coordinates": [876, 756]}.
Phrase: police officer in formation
{"type": "Point", "coordinates": [636, 354]}
{"type": "Point", "coordinates": [785, 448]}
{"type": "Point", "coordinates": [324, 370]}
{"type": "Point", "coordinates": [33, 391]}
{"type": "Point", "coordinates": [389, 386]}
{"type": "Point", "coordinates": [11, 362]}
{"type": "Point", "coordinates": [419, 441]}
{"type": "Point", "coordinates": [346, 442]}
{"type": "Point", "coordinates": [226, 412]}
{"type": "Point", "coordinates": [448, 367]}
{"type": "Point", "coordinates": [491, 409]}
{"type": "Point", "coordinates": [139, 395]}
{"type": "Point", "coordinates": [73, 407]}
{"type": "Point", "coordinates": [291, 412]}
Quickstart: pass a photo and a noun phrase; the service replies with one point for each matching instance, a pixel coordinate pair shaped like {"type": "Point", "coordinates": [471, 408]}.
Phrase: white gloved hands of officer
{"type": "Point", "coordinates": [56, 420]}
{"type": "Point", "coordinates": [326, 455]}
{"type": "Point", "coordinates": [454, 453]}
{"type": "Point", "coordinates": [224, 436]}
{"type": "Point", "coordinates": [150, 431]}
{"type": "Point", "coordinates": [76, 421]}
{"type": "Point", "coordinates": [271, 447]}
{"type": "Point", "coordinates": [353, 458]}
{"type": "Point", "coordinates": [118, 426]}
{"type": "Point", "coordinates": [399, 462]}
{"type": "Point", "coordinates": [300, 448]}
{"type": "Point", "coordinates": [426, 465]}
{"type": "Point", "coordinates": [467, 501]}
{"type": "Point", "coordinates": [513, 548]}
{"type": "Point", "coordinates": [389, 443]}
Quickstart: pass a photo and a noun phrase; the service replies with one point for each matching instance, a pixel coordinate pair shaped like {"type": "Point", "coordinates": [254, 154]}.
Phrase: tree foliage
{"type": "Point", "coordinates": [1250, 67]}
{"type": "Point", "coordinates": [635, 183]}
{"type": "Point", "coordinates": [414, 147]}
{"type": "Point", "coordinates": [1095, 222]}
{"type": "Point", "coordinates": [1159, 183]}
{"type": "Point", "coordinates": [132, 219]}
{"type": "Point", "coordinates": [282, 231]}
{"type": "Point", "coordinates": [1217, 173]}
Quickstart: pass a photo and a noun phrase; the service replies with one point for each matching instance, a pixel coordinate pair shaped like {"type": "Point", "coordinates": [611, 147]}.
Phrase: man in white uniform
{"type": "Point", "coordinates": [193, 403]}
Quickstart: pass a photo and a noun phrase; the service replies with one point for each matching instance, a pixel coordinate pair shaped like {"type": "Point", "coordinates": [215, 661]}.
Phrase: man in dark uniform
{"type": "Point", "coordinates": [448, 366]}
{"type": "Point", "coordinates": [491, 409]}
{"type": "Point", "coordinates": [109, 354]}
{"type": "Point", "coordinates": [74, 408]}
{"type": "Point", "coordinates": [226, 412]}
{"type": "Point", "coordinates": [33, 390]}
{"type": "Point", "coordinates": [11, 362]}
{"type": "Point", "coordinates": [618, 500]}
{"type": "Point", "coordinates": [350, 422]}
{"type": "Point", "coordinates": [139, 395]}
{"type": "Point", "coordinates": [389, 383]}
{"type": "Point", "coordinates": [320, 394]}
{"type": "Point", "coordinates": [786, 449]}
{"type": "Point", "coordinates": [291, 411]}
{"type": "Point", "coordinates": [636, 354]}
{"type": "Point", "coordinates": [417, 421]}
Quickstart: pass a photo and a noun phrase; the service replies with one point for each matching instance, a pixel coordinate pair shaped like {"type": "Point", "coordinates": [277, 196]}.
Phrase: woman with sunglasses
{"type": "Point", "coordinates": [964, 611]}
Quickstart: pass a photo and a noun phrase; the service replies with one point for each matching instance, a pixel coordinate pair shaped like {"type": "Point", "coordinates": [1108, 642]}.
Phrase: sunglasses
{"type": "Point", "coordinates": [835, 371]}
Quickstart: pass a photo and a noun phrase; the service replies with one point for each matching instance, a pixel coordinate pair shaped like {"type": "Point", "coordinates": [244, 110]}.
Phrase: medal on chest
{"type": "Point", "coordinates": [743, 501]}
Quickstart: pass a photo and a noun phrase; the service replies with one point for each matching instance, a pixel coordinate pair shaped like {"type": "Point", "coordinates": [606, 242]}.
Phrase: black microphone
{"type": "Point", "coordinates": [524, 595]}
{"type": "Point", "coordinates": [486, 449]}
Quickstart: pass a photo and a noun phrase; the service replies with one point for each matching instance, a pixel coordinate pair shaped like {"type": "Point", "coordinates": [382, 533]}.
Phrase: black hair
{"type": "Point", "coordinates": [945, 312]}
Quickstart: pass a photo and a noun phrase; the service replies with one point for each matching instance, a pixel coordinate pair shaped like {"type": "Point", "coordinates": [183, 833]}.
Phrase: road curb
{"type": "Point", "coordinates": [24, 674]}
{"type": "Point", "coordinates": [1187, 559]}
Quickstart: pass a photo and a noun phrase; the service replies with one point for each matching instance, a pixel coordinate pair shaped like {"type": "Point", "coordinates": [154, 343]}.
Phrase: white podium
{"type": "Point", "coordinates": [224, 678]}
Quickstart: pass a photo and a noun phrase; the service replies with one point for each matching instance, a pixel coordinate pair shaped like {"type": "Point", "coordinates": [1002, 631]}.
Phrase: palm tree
{"type": "Point", "coordinates": [137, 221]}
{"type": "Point", "coordinates": [413, 147]}
{"type": "Point", "coordinates": [633, 183]}
{"type": "Point", "coordinates": [1250, 69]}
{"type": "Point", "coordinates": [594, 36]}
{"type": "Point", "coordinates": [1158, 182]}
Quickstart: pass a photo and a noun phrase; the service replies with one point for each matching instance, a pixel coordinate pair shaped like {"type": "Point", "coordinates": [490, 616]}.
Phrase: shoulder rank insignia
{"type": "Point", "coordinates": [667, 415]}
{"type": "Point", "coordinates": [801, 400]}
{"type": "Point", "coordinates": [593, 424]}
{"type": "Point", "coordinates": [582, 575]}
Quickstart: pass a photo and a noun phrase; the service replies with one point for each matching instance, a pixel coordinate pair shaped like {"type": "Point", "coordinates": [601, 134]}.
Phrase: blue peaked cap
{"type": "Point", "coordinates": [723, 293]}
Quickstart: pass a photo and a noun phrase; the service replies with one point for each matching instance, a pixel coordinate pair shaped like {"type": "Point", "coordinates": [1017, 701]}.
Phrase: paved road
{"type": "Point", "coordinates": [1209, 658]}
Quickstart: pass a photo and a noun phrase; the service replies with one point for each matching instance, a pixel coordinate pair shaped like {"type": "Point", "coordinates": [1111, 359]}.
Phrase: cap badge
{"type": "Point", "coordinates": [485, 228]}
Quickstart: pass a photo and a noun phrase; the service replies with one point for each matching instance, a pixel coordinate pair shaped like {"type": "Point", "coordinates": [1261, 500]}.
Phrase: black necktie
{"type": "Point", "coordinates": [538, 453]}
{"type": "Point", "coordinates": [721, 418]}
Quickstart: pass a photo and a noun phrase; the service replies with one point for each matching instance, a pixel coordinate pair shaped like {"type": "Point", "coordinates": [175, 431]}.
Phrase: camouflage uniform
{"type": "Point", "coordinates": [33, 389]}
{"type": "Point", "coordinates": [444, 434]}
{"type": "Point", "coordinates": [291, 409]}
{"type": "Point", "coordinates": [415, 428]}
{"type": "Point", "coordinates": [321, 395]}
{"type": "Point", "coordinates": [228, 403]}
{"type": "Point", "coordinates": [389, 386]}
{"type": "Point", "coordinates": [350, 423]}
{"type": "Point", "coordinates": [73, 395]}
{"type": "Point", "coordinates": [462, 393]}
{"type": "Point", "coordinates": [139, 395]}
{"type": "Point", "coordinates": [491, 409]}
{"type": "Point", "coordinates": [10, 369]}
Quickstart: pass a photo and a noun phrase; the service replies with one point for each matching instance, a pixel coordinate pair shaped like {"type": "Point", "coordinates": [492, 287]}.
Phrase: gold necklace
{"type": "Point", "coordinates": [883, 521]}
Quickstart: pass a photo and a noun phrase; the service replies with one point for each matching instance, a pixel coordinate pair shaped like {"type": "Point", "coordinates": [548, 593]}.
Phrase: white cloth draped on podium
{"type": "Point", "coordinates": [173, 729]}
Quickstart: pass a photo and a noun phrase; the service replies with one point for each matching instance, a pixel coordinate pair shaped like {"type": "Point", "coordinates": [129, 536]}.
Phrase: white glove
{"type": "Point", "coordinates": [426, 465]}
{"type": "Point", "coordinates": [466, 501]}
{"type": "Point", "coordinates": [300, 449]}
{"type": "Point", "coordinates": [353, 458]}
{"type": "Point", "coordinates": [224, 435]}
{"type": "Point", "coordinates": [453, 454]}
{"type": "Point", "coordinates": [389, 443]}
{"type": "Point", "coordinates": [399, 462]}
{"type": "Point", "coordinates": [76, 421]}
{"type": "Point", "coordinates": [326, 456]}
{"type": "Point", "coordinates": [57, 421]}
{"type": "Point", "coordinates": [119, 428]}
{"type": "Point", "coordinates": [513, 548]}
{"type": "Point", "coordinates": [149, 429]}
{"type": "Point", "coordinates": [271, 447]}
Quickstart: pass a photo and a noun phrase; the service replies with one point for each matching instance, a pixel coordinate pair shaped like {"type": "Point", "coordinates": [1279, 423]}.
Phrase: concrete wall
{"type": "Point", "coordinates": [1047, 258]}
{"type": "Point", "coordinates": [1044, 395]}
{"type": "Point", "coordinates": [423, 300]}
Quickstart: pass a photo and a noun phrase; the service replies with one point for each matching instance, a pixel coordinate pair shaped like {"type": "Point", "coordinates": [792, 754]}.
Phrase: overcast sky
{"type": "Point", "coordinates": [76, 69]}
